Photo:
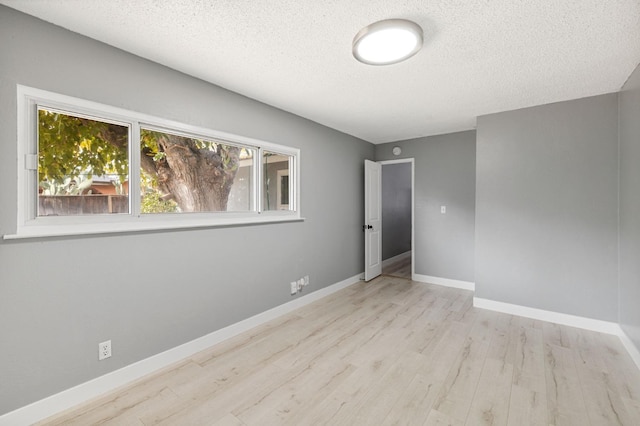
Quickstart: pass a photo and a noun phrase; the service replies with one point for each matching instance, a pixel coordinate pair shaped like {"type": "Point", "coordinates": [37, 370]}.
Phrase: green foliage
{"type": "Point", "coordinates": [66, 186]}
{"type": "Point", "coordinates": [152, 202]}
{"type": "Point", "coordinates": [149, 144]}
{"type": "Point", "coordinates": [71, 146]}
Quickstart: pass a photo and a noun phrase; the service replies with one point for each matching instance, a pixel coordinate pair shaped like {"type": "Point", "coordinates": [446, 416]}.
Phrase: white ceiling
{"type": "Point", "coordinates": [479, 57]}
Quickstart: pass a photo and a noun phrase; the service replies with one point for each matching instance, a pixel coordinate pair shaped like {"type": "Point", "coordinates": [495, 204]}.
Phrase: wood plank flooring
{"type": "Point", "coordinates": [388, 352]}
{"type": "Point", "coordinates": [399, 269]}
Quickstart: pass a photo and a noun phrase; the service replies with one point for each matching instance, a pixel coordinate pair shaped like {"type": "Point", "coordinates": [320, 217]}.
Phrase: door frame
{"type": "Point", "coordinates": [372, 219]}
{"type": "Point", "coordinates": [413, 207]}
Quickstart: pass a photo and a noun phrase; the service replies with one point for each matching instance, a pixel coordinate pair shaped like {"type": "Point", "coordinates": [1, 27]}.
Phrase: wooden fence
{"type": "Point", "coordinates": [70, 205]}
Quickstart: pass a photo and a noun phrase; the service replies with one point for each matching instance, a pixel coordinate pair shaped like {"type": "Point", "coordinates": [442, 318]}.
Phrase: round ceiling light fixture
{"type": "Point", "coordinates": [387, 42]}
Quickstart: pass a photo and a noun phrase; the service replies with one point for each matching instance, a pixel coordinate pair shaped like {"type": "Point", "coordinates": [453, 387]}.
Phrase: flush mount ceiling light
{"type": "Point", "coordinates": [387, 42]}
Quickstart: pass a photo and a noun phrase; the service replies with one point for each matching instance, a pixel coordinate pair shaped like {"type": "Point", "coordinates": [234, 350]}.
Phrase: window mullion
{"type": "Point", "coordinates": [293, 184]}
{"type": "Point", "coordinates": [134, 170]}
{"type": "Point", "coordinates": [259, 179]}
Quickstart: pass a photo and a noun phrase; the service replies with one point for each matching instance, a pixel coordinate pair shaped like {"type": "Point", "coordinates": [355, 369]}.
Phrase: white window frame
{"type": "Point", "coordinates": [280, 174]}
{"type": "Point", "coordinates": [30, 225]}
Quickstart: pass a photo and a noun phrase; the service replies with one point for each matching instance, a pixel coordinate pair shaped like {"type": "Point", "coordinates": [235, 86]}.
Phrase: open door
{"type": "Point", "coordinates": [372, 220]}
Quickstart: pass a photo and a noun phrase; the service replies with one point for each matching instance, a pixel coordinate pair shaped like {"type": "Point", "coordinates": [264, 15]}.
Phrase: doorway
{"type": "Point", "coordinates": [397, 202]}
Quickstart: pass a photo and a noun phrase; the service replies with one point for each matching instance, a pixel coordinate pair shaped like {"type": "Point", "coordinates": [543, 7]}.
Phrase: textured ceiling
{"type": "Point", "coordinates": [479, 57]}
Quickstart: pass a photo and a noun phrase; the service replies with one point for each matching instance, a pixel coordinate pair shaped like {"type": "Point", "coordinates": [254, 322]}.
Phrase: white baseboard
{"type": "Point", "coordinates": [549, 316]}
{"type": "Point", "coordinates": [446, 282]}
{"type": "Point", "coordinates": [397, 258]}
{"type": "Point", "coordinates": [633, 351]}
{"type": "Point", "coordinates": [69, 398]}
{"type": "Point", "coordinates": [564, 319]}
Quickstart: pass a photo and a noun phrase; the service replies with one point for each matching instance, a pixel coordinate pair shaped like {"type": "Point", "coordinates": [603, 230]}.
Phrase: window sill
{"type": "Point", "coordinates": [47, 231]}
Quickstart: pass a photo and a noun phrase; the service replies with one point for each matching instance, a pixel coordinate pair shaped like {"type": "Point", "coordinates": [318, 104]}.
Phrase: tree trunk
{"type": "Point", "coordinates": [197, 175]}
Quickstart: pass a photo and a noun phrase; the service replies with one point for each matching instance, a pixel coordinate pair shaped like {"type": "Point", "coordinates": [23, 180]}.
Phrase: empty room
{"type": "Point", "coordinates": [319, 213]}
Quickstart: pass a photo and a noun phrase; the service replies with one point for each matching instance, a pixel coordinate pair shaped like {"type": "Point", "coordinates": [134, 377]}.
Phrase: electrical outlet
{"type": "Point", "coordinates": [294, 287]}
{"type": "Point", "coordinates": [306, 280]}
{"type": "Point", "coordinates": [300, 284]}
{"type": "Point", "coordinates": [104, 350]}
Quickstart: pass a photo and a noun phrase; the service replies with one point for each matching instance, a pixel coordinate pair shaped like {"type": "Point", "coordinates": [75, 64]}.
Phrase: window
{"type": "Point", "coordinates": [83, 165]}
{"type": "Point", "coordinates": [276, 168]}
{"type": "Point", "coordinates": [91, 168]}
{"type": "Point", "coordinates": [186, 174]}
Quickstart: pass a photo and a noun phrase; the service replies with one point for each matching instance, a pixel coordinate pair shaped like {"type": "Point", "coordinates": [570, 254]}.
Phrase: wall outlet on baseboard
{"type": "Point", "coordinates": [294, 287]}
{"type": "Point", "coordinates": [104, 350]}
{"type": "Point", "coordinates": [306, 280]}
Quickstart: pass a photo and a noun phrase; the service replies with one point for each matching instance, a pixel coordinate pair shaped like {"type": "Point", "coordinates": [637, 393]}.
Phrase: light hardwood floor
{"type": "Point", "coordinates": [400, 269]}
{"type": "Point", "coordinates": [388, 352]}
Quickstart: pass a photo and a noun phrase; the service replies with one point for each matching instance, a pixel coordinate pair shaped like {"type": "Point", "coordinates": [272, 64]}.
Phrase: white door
{"type": "Point", "coordinates": [372, 220]}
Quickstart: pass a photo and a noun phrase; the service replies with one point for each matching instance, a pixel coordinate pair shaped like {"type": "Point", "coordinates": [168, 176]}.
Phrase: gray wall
{"type": "Point", "coordinates": [444, 175]}
{"type": "Point", "coordinates": [629, 133]}
{"type": "Point", "coordinates": [547, 207]}
{"type": "Point", "coordinates": [149, 292]}
{"type": "Point", "coordinates": [396, 209]}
